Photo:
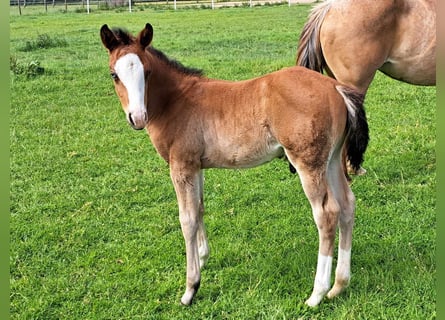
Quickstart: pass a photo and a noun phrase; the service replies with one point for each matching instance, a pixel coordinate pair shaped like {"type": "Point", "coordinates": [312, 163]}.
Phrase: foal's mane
{"type": "Point", "coordinates": [175, 64]}
{"type": "Point", "coordinates": [123, 36]}
{"type": "Point", "coordinates": [126, 38]}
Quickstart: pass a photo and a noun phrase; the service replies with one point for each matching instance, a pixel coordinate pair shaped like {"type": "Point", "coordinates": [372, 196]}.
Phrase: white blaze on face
{"type": "Point", "coordinates": [130, 71]}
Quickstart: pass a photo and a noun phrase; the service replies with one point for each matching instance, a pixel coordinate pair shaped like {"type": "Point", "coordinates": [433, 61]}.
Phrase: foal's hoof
{"type": "Point", "coordinates": [186, 299]}
{"type": "Point", "coordinates": [315, 299]}
{"type": "Point", "coordinates": [335, 291]}
{"type": "Point", "coordinates": [190, 292]}
{"type": "Point", "coordinates": [340, 285]}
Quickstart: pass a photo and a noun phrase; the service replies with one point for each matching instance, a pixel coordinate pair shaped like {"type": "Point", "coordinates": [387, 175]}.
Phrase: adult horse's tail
{"type": "Point", "coordinates": [357, 137]}
{"type": "Point", "coordinates": [309, 53]}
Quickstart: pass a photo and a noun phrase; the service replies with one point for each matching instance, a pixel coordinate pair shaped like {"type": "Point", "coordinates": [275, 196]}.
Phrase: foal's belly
{"type": "Point", "coordinates": [233, 156]}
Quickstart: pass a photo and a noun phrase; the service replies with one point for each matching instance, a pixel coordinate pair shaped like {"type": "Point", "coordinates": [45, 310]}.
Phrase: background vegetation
{"type": "Point", "coordinates": [94, 232]}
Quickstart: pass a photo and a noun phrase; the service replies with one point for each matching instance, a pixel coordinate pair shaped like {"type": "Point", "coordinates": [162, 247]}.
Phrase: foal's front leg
{"type": "Point", "coordinates": [187, 186]}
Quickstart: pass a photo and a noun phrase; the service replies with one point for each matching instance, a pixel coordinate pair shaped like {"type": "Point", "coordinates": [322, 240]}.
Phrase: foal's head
{"type": "Point", "coordinates": [130, 69]}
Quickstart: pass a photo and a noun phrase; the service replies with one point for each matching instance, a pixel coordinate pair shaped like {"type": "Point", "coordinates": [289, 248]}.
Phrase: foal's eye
{"type": "Point", "coordinates": [114, 76]}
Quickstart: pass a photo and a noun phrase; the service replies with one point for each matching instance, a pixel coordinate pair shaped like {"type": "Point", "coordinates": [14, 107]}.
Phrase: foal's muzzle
{"type": "Point", "coordinates": [137, 121]}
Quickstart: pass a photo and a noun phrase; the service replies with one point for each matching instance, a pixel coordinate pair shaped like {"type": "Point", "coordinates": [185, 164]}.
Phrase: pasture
{"type": "Point", "coordinates": [94, 230]}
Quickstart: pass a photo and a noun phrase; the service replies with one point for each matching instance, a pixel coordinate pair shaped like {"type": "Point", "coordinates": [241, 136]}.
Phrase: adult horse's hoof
{"type": "Point", "coordinates": [359, 172]}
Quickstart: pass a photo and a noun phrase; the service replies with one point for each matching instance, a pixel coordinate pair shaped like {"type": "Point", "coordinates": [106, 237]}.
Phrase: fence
{"type": "Point", "coordinates": [130, 5]}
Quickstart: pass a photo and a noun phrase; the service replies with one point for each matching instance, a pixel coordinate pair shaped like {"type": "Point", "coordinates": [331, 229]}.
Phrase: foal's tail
{"type": "Point", "coordinates": [357, 137]}
{"type": "Point", "coordinates": [309, 53]}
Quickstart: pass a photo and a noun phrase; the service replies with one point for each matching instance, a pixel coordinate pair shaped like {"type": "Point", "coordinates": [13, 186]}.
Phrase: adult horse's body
{"type": "Point", "coordinates": [197, 123]}
{"type": "Point", "coordinates": [352, 39]}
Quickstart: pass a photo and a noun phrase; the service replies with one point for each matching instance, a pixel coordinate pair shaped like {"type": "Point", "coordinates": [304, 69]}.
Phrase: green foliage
{"type": "Point", "coordinates": [93, 216]}
{"type": "Point", "coordinates": [29, 70]}
{"type": "Point", "coordinates": [43, 41]}
{"type": "Point", "coordinates": [79, 10]}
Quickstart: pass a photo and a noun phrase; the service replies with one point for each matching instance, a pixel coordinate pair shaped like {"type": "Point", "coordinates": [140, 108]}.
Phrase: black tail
{"type": "Point", "coordinates": [357, 137]}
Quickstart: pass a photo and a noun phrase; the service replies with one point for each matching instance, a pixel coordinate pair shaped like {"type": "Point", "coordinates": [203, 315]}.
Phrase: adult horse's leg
{"type": "Point", "coordinates": [186, 181]}
{"type": "Point", "coordinates": [203, 247]}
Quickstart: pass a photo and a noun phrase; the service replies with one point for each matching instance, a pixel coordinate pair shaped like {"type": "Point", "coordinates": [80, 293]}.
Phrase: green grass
{"type": "Point", "coordinates": [94, 232]}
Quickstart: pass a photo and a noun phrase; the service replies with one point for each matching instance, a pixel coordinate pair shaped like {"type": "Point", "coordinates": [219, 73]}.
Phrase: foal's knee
{"type": "Point", "coordinates": [189, 225]}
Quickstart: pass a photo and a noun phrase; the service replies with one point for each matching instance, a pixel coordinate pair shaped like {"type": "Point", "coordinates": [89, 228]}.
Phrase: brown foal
{"type": "Point", "coordinates": [196, 123]}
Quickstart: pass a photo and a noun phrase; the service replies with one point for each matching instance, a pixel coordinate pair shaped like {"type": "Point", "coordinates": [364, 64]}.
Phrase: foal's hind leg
{"type": "Point", "coordinates": [346, 199]}
{"type": "Point", "coordinates": [326, 210]}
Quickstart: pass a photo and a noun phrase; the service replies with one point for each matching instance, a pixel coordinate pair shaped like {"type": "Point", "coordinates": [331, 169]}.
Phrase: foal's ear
{"type": "Point", "coordinates": [108, 38]}
{"type": "Point", "coordinates": [145, 36]}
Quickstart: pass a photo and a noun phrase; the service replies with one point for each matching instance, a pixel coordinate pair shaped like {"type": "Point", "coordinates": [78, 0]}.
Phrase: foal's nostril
{"type": "Point", "coordinates": [130, 119]}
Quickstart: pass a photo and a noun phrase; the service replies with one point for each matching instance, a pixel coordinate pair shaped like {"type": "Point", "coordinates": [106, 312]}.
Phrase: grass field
{"type": "Point", "coordinates": [94, 232]}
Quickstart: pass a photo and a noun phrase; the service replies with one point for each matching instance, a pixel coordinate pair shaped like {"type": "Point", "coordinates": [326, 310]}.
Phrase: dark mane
{"type": "Point", "coordinates": [175, 64]}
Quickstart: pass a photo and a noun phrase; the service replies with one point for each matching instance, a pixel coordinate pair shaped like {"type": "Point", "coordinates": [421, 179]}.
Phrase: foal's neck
{"type": "Point", "coordinates": [168, 83]}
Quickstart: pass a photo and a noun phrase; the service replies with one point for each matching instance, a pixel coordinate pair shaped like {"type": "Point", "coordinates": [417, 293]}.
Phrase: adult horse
{"type": "Point", "coordinates": [197, 123]}
{"type": "Point", "coordinates": [352, 39]}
